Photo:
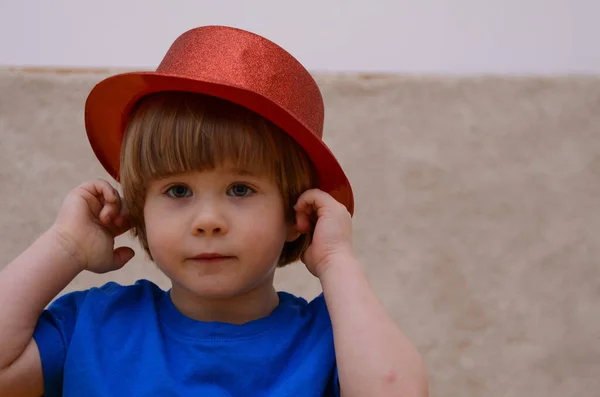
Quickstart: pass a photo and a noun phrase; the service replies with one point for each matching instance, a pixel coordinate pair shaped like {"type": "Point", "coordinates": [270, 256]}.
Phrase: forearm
{"type": "Point", "coordinates": [27, 285]}
{"type": "Point", "coordinates": [374, 358]}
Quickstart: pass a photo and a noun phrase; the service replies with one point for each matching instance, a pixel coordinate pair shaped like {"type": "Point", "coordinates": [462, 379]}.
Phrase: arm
{"type": "Point", "coordinates": [373, 355]}
{"type": "Point", "coordinates": [374, 358]}
{"type": "Point", "coordinates": [82, 238]}
{"type": "Point", "coordinates": [27, 285]}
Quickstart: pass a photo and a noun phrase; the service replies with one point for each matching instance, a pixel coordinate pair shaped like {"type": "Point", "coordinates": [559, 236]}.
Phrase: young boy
{"type": "Point", "coordinates": [225, 178]}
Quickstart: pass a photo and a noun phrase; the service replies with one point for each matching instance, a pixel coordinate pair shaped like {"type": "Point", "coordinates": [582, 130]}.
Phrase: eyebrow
{"type": "Point", "coordinates": [242, 172]}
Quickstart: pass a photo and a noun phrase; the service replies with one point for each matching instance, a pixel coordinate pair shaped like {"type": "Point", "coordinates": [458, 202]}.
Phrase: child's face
{"type": "Point", "coordinates": [236, 215]}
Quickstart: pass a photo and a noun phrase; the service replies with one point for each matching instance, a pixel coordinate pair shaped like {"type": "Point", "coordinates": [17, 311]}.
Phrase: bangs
{"type": "Point", "coordinates": [173, 132]}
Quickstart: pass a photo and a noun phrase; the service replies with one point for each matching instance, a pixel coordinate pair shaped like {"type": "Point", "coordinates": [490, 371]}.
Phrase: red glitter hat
{"type": "Point", "coordinates": [230, 64]}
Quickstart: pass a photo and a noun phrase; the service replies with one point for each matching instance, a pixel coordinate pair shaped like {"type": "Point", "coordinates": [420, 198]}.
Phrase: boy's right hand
{"type": "Point", "coordinates": [90, 218]}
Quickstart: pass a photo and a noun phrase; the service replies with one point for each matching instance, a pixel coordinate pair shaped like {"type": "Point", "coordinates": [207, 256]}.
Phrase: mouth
{"type": "Point", "coordinates": [211, 257]}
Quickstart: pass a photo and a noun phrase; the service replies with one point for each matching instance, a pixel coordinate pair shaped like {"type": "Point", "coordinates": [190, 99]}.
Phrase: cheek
{"type": "Point", "coordinates": [161, 236]}
{"type": "Point", "coordinates": [268, 229]}
{"type": "Point", "coordinates": [163, 249]}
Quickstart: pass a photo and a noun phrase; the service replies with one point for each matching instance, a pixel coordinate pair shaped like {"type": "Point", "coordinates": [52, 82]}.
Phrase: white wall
{"type": "Point", "coordinates": [446, 36]}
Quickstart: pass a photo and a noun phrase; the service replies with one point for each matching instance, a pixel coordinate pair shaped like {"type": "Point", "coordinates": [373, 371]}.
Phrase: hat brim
{"type": "Point", "coordinates": [110, 102]}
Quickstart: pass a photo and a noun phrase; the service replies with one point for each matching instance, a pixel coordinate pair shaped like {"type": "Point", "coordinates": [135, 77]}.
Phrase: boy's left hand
{"type": "Point", "coordinates": [332, 235]}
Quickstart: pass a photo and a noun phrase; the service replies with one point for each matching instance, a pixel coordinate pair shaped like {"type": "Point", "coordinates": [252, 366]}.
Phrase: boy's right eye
{"type": "Point", "coordinates": [178, 191]}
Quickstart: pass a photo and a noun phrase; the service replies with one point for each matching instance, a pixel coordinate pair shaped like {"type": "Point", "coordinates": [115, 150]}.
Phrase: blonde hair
{"type": "Point", "coordinates": [175, 132]}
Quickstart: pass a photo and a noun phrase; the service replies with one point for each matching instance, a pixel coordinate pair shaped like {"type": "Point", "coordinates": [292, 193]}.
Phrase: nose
{"type": "Point", "coordinates": [209, 221]}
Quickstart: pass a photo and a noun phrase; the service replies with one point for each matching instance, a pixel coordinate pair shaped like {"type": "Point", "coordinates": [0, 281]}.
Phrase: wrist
{"type": "Point", "coordinates": [68, 248]}
{"type": "Point", "coordinates": [342, 262]}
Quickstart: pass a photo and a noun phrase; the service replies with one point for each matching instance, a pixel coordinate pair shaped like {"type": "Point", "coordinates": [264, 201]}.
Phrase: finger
{"type": "Point", "coordinates": [112, 203]}
{"type": "Point", "coordinates": [121, 225]}
{"type": "Point", "coordinates": [309, 207]}
{"type": "Point", "coordinates": [107, 191]}
{"type": "Point", "coordinates": [321, 202]}
{"type": "Point", "coordinates": [101, 189]}
{"type": "Point", "coordinates": [123, 219]}
{"type": "Point", "coordinates": [313, 200]}
{"type": "Point", "coordinates": [122, 255]}
{"type": "Point", "coordinates": [109, 215]}
{"type": "Point", "coordinates": [305, 208]}
{"type": "Point", "coordinates": [302, 222]}
{"type": "Point", "coordinates": [97, 193]}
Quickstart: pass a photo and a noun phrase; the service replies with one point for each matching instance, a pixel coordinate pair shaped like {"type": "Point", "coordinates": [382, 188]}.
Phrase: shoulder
{"type": "Point", "coordinates": [108, 303]}
{"type": "Point", "coordinates": [113, 290]}
{"type": "Point", "coordinates": [110, 294]}
{"type": "Point", "coordinates": [313, 310]}
{"type": "Point", "coordinates": [300, 303]}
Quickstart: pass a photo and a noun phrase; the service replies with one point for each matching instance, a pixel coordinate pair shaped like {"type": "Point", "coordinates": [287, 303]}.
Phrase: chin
{"type": "Point", "coordinates": [218, 285]}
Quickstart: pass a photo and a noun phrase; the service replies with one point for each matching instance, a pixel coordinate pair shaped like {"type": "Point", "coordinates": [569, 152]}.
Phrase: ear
{"type": "Point", "coordinates": [292, 232]}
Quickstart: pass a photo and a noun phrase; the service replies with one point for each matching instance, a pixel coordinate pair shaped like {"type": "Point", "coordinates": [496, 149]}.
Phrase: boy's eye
{"type": "Point", "coordinates": [178, 191]}
{"type": "Point", "coordinates": [239, 190]}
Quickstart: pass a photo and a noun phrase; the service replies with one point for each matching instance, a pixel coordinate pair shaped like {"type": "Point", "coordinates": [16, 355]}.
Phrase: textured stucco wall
{"type": "Point", "coordinates": [477, 213]}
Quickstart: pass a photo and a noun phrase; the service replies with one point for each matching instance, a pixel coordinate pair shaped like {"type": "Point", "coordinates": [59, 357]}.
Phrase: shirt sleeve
{"type": "Point", "coordinates": [52, 335]}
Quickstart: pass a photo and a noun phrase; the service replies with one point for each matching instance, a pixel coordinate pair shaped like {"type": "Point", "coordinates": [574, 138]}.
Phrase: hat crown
{"type": "Point", "coordinates": [234, 57]}
{"type": "Point", "coordinates": [234, 65]}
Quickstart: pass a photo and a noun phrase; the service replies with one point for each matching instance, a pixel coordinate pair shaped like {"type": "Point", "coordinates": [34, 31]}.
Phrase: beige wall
{"type": "Point", "coordinates": [477, 213]}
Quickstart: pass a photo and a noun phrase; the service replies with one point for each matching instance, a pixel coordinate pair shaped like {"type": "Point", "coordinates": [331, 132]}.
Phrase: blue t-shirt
{"type": "Point", "coordinates": [132, 341]}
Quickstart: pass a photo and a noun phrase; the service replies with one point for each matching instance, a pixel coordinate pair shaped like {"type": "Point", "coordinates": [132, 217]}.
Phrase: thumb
{"type": "Point", "coordinates": [122, 255]}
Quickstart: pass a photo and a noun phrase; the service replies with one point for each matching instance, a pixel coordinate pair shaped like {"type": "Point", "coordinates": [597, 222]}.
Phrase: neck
{"type": "Point", "coordinates": [239, 309]}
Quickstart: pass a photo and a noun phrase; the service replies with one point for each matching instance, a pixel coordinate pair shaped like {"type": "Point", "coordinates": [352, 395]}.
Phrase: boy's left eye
{"type": "Point", "coordinates": [239, 190]}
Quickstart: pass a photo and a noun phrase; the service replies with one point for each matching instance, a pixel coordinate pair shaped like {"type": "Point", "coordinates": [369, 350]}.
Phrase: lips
{"type": "Point", "coordinates": [211, 257]}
